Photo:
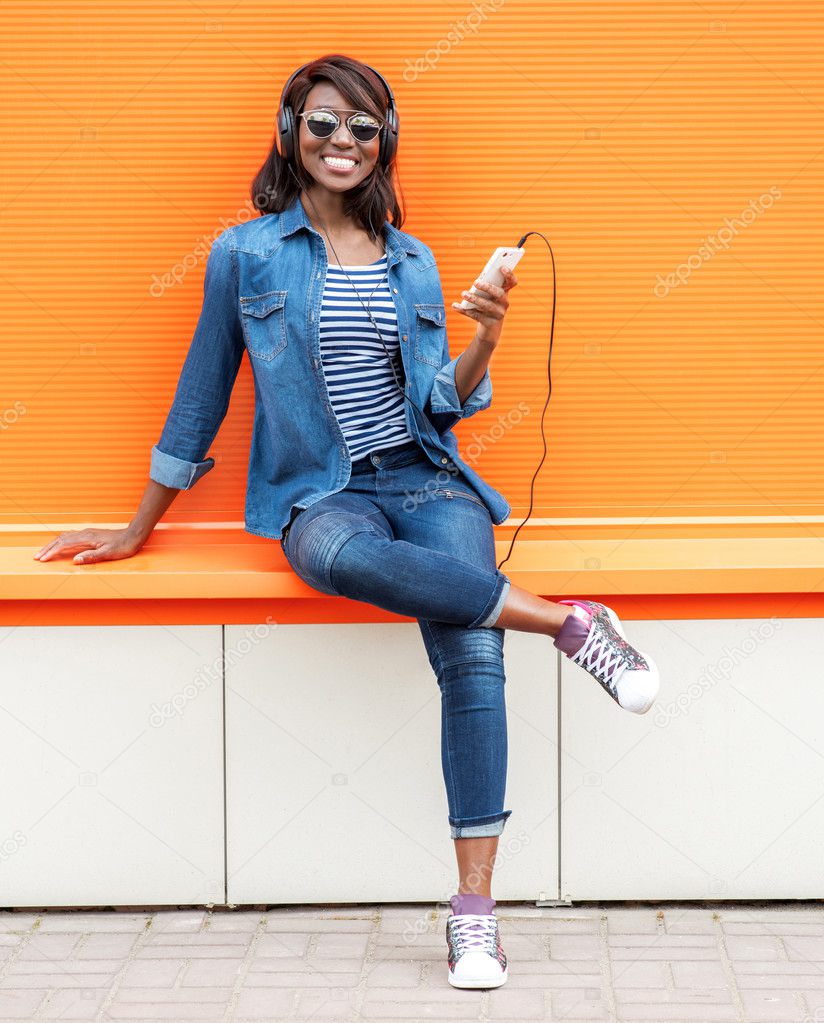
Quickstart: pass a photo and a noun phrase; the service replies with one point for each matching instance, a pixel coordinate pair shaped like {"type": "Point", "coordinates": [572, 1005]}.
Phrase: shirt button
{"type": "Point", "coordinates": [404, 337]}
{"type": "Point", "coordinates": [395, 290]}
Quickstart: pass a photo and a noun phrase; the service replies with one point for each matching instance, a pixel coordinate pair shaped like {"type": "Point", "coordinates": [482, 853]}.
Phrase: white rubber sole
{"type": "Point", "coordinates": [477, 983]}
{"type": "Point", "coordinates": [613, 617]}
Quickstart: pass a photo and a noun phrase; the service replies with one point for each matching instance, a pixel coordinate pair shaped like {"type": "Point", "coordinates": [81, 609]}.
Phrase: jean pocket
{"type": "Point", "coordinates": [430, 332]}
{"type": "Point", "coordinates": [451, 492]}
{"type": "Point", "coordinates": [264, 324]}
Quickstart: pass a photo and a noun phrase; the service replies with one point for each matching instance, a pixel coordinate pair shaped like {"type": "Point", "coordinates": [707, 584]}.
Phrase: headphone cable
{"type": "Point", "coordinates": [392, 363]}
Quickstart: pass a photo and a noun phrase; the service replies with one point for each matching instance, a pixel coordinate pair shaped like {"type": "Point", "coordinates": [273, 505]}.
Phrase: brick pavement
{"type": "Point", "coordinates": [669, 963]}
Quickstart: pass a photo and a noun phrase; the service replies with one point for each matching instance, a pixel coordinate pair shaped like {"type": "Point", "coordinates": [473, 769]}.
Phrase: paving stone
{"type": "Point", "coordinates": [183, 950]}
{"type": "Point", "coordinates": [202, 938]}
{"type": "Point", "coordinates": [92, 923]}
{"type": "Point", "coordinates": [578, 1004]}
{"type": "Point", "coordinates": [327, 1003]}
{"type": "Point", "coordinates": [178, 996]}
{"type": "Point", "coordinates": [158, 973]}
{"type": "Point", "coordinates": [106, 946]}
{"type": "Point", "coordinates": [632, 921]}
{"type": "Point", "coordinates": [73, 1004]}
{"type": "Point", "coordinates": [340, 945]}
{"type": "Point", "coordinates": [639, 974]}
{"type": "Point", "coordinates": [220, 922]}
{"type": "Point", "coordinates": [774, 915]}
{"type": "Point", "coordinates": [695, 921]}
{"type": "Point", "coordinates": [641, 941]}
{"type": "Point", "coordinates": [575, 946]}
{"type": "Point", "coordinates": [807, 949]}
{"type": "Point", "coordinates": [22, 1003]}
{"type": "Point", "coordinates": [700, 975]}
{"type": "Point", "coordinates": [524, 1004]}
{"type": "Point", "coordinates": [682, 996]}
{"type": "Point", "coordinates": [293, 923]}
{"type": "Point", "coordinates": [282, 945]}
{"type": "Point", "coordinates": [660, 951]}
{"type": "Point", "coordinates": [215, 972]}
{"type": "Point", "coordinates": [393, 974]}
{"type": "Point", "coordinates": [453, 1003]}
{"type": "Point", "coordinates": [17, 923]}
{"type": "Point", "coordinates": [301, 964]}
{"type": "Point", "coordinates": [675, 1012]}
{"type": "Point", "coordinates": [302, 979]}
{"type": "Point", "coordinates": [57, 978]}
{"type": "Point", "coordinates": [806, 929]}
{"type": "Point", "coordinates": [49, 946]}
{"type": "Point", "coordinates": [755, 946]}
{"type": "Point", "coordinates": [772, 1005]}
{"type": "Point", "coordinates": [178, 921]}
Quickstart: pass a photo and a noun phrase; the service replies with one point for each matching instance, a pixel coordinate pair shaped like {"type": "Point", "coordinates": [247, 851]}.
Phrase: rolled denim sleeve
{"type": "Point", "coordinates": [444, 397]}
{"type": "Point", "coordinates": [206, 380]}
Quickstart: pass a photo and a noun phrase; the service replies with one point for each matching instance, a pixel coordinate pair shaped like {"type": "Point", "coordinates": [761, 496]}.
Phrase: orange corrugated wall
{"type": "Point", "coordinates": [635, 136]}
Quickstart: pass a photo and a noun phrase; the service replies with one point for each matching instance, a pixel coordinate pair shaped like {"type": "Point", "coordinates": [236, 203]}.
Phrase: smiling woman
{"type": "Point", "coordinates": [354, 466]}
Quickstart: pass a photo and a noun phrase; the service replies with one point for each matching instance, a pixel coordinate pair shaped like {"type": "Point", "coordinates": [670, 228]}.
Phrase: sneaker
{"type": "Point", "coordinates": [476, 958]}
{"type": "Point", "coordinates": [592, 636]}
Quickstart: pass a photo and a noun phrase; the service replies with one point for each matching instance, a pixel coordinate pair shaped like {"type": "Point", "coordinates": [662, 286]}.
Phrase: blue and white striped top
{"type": "Point", "coordinates": [361, 385]}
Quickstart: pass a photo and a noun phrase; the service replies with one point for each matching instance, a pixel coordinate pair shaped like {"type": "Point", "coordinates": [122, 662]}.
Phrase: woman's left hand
{"type": "Point", "coordinates": [489, 307]}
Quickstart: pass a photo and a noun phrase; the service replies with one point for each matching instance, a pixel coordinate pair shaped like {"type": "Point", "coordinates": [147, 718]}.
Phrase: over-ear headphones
{"type": "Point", "coordinates": [286, 136]}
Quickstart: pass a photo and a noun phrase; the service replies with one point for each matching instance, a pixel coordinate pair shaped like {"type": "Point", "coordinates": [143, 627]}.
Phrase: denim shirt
{"type": "Point", "coordinates": [263, 291]}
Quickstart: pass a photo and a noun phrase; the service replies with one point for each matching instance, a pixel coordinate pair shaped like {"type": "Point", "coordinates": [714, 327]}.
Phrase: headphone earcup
{"type": "Point", "coordinates": [389, 140]}
{"type": "Point", "coordinates": [286, 132]}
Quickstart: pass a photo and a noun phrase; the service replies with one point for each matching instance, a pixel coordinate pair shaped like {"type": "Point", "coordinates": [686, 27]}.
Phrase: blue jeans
{"type": "Point", "coordinates": [418, 541]}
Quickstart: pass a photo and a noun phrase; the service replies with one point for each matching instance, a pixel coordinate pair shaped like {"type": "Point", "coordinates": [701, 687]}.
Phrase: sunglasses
{"type": "Point", "coordinates": [362, 127]}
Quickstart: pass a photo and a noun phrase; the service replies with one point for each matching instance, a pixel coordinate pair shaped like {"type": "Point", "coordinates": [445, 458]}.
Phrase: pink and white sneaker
{"type": "Point", "coordinates": [476, 957]}
{"type": "Point", "coordinates": [593, 637]}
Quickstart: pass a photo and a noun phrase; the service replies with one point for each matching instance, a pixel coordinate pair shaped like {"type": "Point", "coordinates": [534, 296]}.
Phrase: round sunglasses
{"type": "Point", "coordinates": [322, 123]}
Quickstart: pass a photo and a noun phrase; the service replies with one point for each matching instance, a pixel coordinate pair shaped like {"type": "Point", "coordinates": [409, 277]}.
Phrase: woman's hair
{"type": "Point", "coordinates": [275, 187]}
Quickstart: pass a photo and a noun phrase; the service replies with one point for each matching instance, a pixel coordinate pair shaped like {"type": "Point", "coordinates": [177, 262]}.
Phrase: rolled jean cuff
{"type": "Point", "coordinates": [492, 611]}
{"type": "Point", "coordinates": [479, 827]}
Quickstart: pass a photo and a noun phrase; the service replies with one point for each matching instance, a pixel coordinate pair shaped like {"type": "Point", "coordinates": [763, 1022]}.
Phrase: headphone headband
{"type": "Point", "coordinates": [286, 134]}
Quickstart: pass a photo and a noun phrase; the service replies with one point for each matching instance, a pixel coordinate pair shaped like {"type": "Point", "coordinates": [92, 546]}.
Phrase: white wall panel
{"type": "Point", "coordinates": [334, 784]}
{"type": "Point", "coordinates": [717, 792]}
{"type": "Point", "coordinates": [109, 796]}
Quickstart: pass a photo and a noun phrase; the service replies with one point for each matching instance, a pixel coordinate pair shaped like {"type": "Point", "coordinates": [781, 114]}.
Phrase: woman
{"type": "Point", "coordinates": [354, 467]}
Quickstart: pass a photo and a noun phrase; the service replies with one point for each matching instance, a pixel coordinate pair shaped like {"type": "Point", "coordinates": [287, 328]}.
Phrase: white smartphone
{"type": "Point", "coordinates": [491, 273]}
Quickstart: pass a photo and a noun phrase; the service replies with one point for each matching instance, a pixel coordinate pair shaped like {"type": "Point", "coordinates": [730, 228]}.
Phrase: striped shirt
{"type": "Point", "coordinates": [362, 389]}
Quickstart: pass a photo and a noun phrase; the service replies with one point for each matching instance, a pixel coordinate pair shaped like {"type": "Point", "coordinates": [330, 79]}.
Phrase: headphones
{"type": "Point", "coordinates": [286, 135]}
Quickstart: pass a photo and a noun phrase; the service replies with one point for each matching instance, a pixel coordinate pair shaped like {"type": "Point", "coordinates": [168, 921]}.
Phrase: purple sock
{"type": "Point", "coordinates": [572, 634]}
{"type": "Point", "coordinates": [469, 902]}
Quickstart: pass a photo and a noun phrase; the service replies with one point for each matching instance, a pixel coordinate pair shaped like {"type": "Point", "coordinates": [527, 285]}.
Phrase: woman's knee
{"type": "Point", "coordinates": [319, 544]}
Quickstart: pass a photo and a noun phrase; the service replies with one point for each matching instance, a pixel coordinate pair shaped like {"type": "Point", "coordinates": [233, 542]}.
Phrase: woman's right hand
{"type": "Point", "coordinates": [91, 545]}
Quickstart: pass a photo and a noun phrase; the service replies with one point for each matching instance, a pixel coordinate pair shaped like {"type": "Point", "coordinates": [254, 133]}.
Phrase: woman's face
{"type": "Point", "coordinates": [340, 143]}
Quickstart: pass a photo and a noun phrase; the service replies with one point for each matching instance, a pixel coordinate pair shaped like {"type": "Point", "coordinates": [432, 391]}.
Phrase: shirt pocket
{"type": "Point", "coordinates": [264, 324]}
{"type": "Point", "coordinates": [430, 332]}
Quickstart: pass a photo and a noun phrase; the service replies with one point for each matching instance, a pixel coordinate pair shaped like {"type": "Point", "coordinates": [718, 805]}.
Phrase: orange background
{"type": "Point", "coordinates": [624, 133]}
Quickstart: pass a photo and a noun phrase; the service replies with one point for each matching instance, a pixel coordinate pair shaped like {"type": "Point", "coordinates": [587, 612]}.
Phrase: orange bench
{"type": "Point", "coordinates": [218, 573]}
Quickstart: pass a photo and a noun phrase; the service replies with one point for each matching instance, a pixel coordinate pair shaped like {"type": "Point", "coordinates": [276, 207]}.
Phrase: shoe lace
{"type": "Point", "coordinates": [474, 932]}
{"type": "Point", "coordinates": [600, 656]}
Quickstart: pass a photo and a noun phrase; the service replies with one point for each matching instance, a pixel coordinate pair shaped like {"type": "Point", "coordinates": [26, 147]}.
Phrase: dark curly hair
{"type": "Point", "coordinates": [275, 187]}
